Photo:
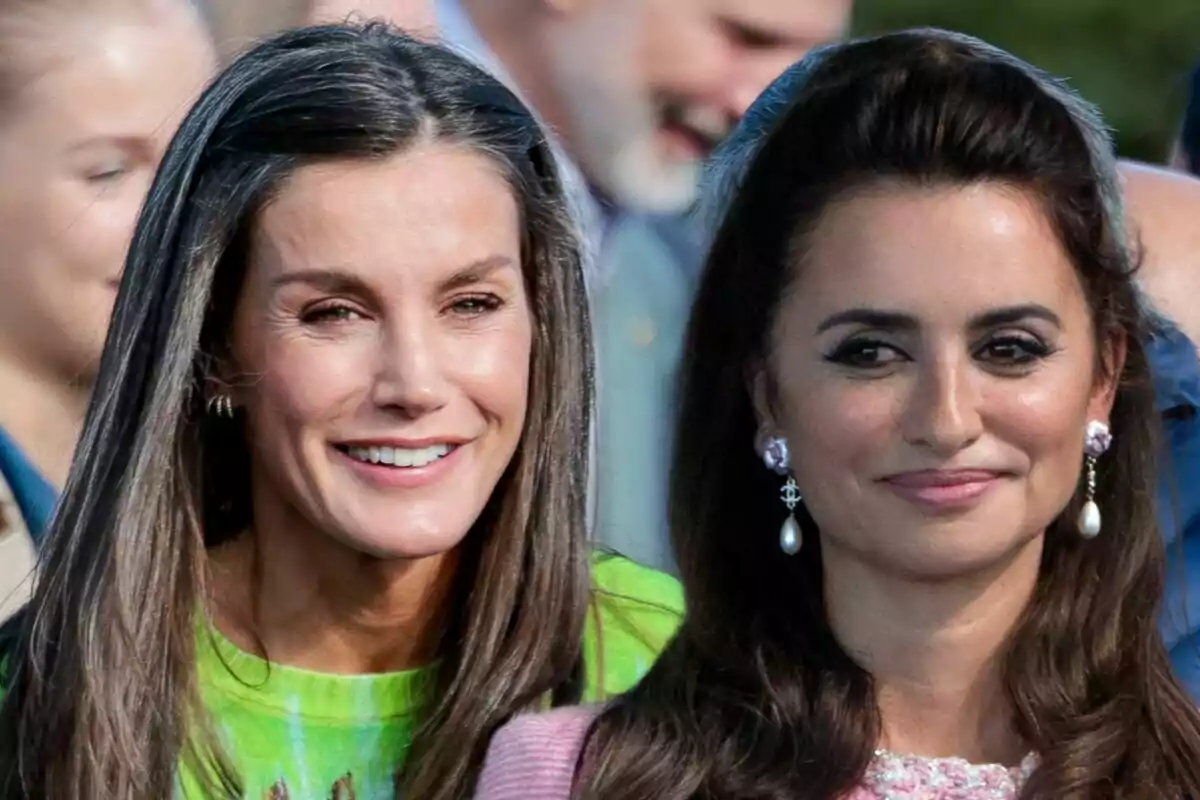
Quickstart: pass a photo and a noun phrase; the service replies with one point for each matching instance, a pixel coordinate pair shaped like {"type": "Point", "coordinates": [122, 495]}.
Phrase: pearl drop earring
{"type": "Point", "coordinates": [777, 459]}
{"type": "Point", "coordinates": [1096, 443]}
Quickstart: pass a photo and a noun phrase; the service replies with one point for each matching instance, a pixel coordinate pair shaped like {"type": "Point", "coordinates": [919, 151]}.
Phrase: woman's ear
{"type": "Point", "coordinates": [762, 392]}
{"type": "Point", "coordinates": [1112, 366]}
{"type": "Point", "coordinates": [221, 376]}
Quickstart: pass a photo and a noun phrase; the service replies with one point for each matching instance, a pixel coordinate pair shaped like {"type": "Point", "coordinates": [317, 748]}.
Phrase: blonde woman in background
{"type": "Point", "coordinates": [90, 93]}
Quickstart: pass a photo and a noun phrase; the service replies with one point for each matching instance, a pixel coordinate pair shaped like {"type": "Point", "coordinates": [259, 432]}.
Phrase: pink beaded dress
{"type": "Point", "coordinates": [534, 758]}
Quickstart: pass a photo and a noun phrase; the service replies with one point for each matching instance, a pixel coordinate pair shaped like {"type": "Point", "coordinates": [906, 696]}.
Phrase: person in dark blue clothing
{"type": "Point", "coordinates": [1164, 208]}
{"type": "Point", "coordinates": [1176, 372]}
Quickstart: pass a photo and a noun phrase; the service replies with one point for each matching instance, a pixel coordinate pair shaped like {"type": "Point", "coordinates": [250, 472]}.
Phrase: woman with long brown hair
{"type": "Point", "coordinates": [325, 529]}
{"type": "Point", "coordinates": [913, 498]}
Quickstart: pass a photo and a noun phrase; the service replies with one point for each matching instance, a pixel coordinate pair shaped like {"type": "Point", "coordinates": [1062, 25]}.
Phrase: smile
{"type": "Point", "coordinates": [947, 490]}
{"type": "Point", "coordinates": [402, 457]}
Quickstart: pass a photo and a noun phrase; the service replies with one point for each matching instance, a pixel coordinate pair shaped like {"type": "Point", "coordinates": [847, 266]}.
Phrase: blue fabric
{"type": "Point", "coordinates": [1176, 371]}
{"type": "Point", "coordinates": [640, 314]}
{"type": "Point", "coordinates": [34, 494]}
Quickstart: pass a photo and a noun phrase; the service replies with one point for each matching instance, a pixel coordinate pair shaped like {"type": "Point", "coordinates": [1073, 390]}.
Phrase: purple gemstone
{"type": "Point", "coordinates": [775, 455]}
{"type": "Point", "coordinates": [1098, 439]}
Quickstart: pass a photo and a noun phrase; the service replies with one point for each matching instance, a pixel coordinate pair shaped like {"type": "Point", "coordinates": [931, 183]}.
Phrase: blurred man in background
{"type": "Point", "coordinates": [638, 93]}
{"type": "Point", "coordinates": [238, 23]}
{"type": "Point", "coordinates": [1164, 208]}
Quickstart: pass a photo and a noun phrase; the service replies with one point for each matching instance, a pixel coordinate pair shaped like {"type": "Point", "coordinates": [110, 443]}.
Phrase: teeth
{"type": "Point", "coordinates": [400, 456]}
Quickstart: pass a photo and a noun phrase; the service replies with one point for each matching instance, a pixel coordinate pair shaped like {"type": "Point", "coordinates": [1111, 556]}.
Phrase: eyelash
{"type": "Point", "coordinates": [850, 353]}
{"type": "Point", "coordinates": [108, 175]}
{"type": "Point", "coordinates": [341, 312]}
{"type": "Point", "coordinates": [328, 314]}
{"type": "Point", "coordinates": [485, 303]}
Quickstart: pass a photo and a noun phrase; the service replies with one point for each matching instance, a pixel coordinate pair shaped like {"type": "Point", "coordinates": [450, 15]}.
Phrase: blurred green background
{"type": "Point", "coordinates": [1130, 57]}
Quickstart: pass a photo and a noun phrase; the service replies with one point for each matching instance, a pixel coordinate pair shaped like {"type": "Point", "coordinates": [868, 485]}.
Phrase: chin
{"type": "Point", "coordinates": [640, 178]}
{"type": "Point", "coordinates": [936, 559]}
{"type": "Point", "coordinates": [395, 543]}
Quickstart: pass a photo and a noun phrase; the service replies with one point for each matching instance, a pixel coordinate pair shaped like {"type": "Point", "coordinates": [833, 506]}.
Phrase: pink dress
{"type": "Point", "coordinates": [534, 758]}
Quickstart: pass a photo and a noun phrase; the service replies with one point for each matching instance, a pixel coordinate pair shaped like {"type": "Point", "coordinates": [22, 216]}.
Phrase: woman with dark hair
{"type": "Point", "coordinates": [918, 328]}
{"type": "Point", "coordinates": [325, 529]}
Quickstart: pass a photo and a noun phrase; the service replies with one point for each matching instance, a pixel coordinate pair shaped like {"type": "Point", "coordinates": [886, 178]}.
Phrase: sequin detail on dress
{"type": "Point", "coordinates": [896, 777]}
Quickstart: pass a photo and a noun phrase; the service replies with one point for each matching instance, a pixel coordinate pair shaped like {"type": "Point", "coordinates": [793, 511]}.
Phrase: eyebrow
{"type": "Point", "coordinates": [899, 321]}
{"type": "Point", "coordinates": [139, 144]}
{"type": "Point", "coordinates": [476, 272]}
{"type": "Point", "coordinates": [333, 279]}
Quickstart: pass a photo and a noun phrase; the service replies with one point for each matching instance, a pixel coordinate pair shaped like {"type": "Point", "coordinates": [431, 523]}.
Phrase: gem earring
{"type": "Point", "coordinates": [775, 456]}
{"type": "Point", "coordinates": [1095, 444]}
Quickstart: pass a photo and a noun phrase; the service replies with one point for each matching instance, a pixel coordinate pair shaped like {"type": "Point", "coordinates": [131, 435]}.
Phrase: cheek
{"type": "Point", "coordinates": [301, 385]}
{"type": "Point", "coordinates": [75, 232]}
{"type": "Point", "coordinates": [100, 238]}
{"type": "Point", "coordinates": [1043, 422]}
{"type": "Point", "coordinates": [839, 423]}
{"type": "Point", "coordinates": [493, 372]}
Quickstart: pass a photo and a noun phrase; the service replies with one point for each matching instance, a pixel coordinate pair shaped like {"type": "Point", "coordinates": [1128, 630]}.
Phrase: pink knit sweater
{"type": "Point", "coordinates": [534, 758]}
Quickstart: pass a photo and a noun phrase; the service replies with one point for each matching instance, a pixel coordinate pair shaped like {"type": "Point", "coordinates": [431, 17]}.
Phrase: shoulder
{"type": "Point", "coordinates": [622, 578]}
{"type": "Point", "coordinates": [534, 756]}
{"type": "Point", "coordinates": [636, 611]}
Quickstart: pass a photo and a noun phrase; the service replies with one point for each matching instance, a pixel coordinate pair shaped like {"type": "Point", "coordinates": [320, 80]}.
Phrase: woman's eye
{"type": "Point", "coordinates": [475, 305]}
{"type": "Point", "coordinates": [326, 314]}
{"type": "Point", "coordinates": [108, 174]}
{"type": "Point", "coordinates": [1013, 350]}
{"type": "Point", "coordinates": [865, 354]}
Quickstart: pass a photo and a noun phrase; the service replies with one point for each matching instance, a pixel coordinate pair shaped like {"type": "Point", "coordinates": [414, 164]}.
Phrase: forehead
{"type": "Point", "coordinates": [436, 206]}
{"type": "Point", "coordinates": [944, 253]}
{"type": "Point", "coordinates": [807, 21]}
{"type": "Point", "coordinates": [122, 77]}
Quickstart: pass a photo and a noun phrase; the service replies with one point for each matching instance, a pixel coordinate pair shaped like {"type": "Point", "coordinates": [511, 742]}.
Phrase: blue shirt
{"type": "Point", "coordinates": [1176, 371]}
{"type": "Point", "coordinates": [34, 494]}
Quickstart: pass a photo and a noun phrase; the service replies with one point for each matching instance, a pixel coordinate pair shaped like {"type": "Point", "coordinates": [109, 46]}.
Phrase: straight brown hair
{"type": "Point", "coordinates": [102, 699]}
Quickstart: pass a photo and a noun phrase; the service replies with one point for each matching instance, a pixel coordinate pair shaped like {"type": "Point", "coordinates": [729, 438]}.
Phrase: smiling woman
{"type": "Point", "coordinates": [326, 530]}
{"type": "Point", "coordinates": [918, 328]}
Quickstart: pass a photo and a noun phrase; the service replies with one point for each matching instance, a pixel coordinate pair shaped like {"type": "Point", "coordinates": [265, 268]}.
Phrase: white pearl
{"type": "Point", "coordinates": [789, 536]}
{"type": "Point", "coordinates": [1089, 520]}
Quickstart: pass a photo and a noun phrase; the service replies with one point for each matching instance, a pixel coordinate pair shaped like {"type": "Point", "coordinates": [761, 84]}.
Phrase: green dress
{"type": "Point", "coordinates": [308, 736]}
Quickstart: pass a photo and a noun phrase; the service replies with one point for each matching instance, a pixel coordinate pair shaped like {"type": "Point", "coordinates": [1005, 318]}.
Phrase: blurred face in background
{"type": "Point", "coordinates": [93, 105]}
{"type": "Point", "coordinates": [239, 23]}
{"type": "Point", "coordinates": [414, 16]}
{"type": "Point", "coordinates": [650, 87]}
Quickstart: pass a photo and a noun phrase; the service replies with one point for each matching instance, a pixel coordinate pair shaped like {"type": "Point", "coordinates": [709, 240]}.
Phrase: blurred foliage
{"type": "Point", "coordinates": [1130, 57]}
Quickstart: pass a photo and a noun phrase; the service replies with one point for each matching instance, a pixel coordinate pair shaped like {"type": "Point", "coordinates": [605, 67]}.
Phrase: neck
{"type": "Point", "coordinates": [43, 413]}
{"type": "Point", "coordinates": [934, 650]}
{"type": "Point", "coordinates": [297, 597]}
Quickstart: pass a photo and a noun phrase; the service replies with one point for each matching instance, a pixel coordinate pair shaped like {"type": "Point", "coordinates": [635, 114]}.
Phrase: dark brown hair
{"type": "Point", "coordinates": [102, 699]}
{"type": "Point", "coordinates": [755, 698]}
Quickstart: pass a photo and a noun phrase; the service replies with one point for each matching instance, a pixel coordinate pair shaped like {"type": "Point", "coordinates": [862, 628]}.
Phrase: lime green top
{"type": "Point", "coordinates": [298, 734]}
